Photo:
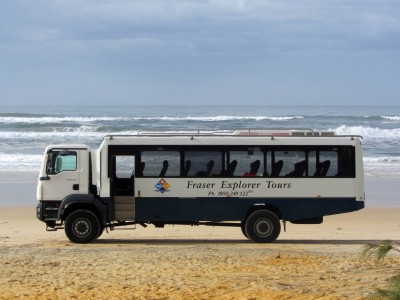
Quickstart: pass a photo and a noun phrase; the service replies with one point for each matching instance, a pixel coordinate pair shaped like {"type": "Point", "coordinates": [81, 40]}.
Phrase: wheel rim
{"type": "Point", "coordinates": [82, 227]}
{"type": "Point", "coordinates": [263, 227]}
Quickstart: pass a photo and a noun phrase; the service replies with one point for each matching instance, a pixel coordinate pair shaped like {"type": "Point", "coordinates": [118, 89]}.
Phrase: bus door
{"type": "Point", "coordinates": [123, 187]}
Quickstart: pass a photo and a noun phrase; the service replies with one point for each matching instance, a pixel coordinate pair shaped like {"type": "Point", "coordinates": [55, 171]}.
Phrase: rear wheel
{"type": "Point", "coordinates": [82, 226]}
{"type": "Point", "coordinates": [262, 226]}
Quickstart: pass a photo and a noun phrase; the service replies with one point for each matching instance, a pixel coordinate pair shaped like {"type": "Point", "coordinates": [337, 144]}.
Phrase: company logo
{"type": "Point", "coordinates": [162, 186]}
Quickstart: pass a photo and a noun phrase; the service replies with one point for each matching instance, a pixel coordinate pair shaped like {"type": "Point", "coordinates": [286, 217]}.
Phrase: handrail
{"type": "Point", "coordinates": [272, 133]}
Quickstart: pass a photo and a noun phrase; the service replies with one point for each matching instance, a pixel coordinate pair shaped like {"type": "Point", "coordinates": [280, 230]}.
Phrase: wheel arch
{"type": "Point", "coordinates": [264, 206]}
{"type": "Point", "coordinates": [82, 202]}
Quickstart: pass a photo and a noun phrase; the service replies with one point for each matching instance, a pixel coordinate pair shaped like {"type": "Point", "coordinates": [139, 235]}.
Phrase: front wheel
{"type": "Point", "coordinates": [82, 226]}
{"type": "Point", "coordinates": [262, 226]}
{"type": "Point", "coordinates": [243, 228]}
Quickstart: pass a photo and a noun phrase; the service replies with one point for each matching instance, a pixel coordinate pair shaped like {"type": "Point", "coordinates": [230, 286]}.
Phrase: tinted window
{"type": "Point", "coordinates": [160, 163]}
{"type": "Point", "coordinates": [203, 163]}
{"type": "Point", "coordinates": [329, 161]}
{"type": "Point", "coordinates": [294, 163]}
{"type": "Point", "coordinates": [59, 161]}
{"type": "Point", "coordinates": [249, 162]}
{"type": "Point", "coordinates": [124, 166]}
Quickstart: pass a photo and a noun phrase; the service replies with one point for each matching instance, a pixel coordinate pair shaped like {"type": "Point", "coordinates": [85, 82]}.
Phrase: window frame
{"type": "Point", "coordinates": [346, 157]}
{"type": "Point", "coordinates": [52, 158]}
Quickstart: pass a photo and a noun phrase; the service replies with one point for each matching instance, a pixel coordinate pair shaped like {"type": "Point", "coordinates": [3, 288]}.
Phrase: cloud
{"type": "Point", "coordinates": [265, 45]}
{"type": "Point", "coordinates": [227, 28]}
{"type": "Point", "coordinates": [205, 25]}
{"type": "Point", "coordinates": [200, 22]}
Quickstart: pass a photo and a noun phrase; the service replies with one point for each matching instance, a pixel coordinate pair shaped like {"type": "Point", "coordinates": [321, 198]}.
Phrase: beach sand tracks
{"type": "Point", "coordinates": [308, 262]}
{"type": "Point", "coordinates": [120, 271]}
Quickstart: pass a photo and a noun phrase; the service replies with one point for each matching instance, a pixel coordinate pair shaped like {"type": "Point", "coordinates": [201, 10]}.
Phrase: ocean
{"type": "Point", "coordinates": [25, 131]}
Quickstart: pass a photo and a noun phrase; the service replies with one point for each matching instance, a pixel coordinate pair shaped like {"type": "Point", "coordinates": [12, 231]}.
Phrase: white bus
{"type": "Point", "coordinates": [252, 179]}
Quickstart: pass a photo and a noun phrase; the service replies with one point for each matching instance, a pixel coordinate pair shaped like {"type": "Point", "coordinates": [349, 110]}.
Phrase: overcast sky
{"type": "Point", "coordinates": [200, 52]}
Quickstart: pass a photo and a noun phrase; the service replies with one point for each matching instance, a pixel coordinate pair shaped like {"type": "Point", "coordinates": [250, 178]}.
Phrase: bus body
{"type": "Point", "coordinates": [250, 179]}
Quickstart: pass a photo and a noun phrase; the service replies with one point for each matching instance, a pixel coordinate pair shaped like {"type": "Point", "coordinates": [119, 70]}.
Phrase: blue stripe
{"type": "Point", "coordinates": [235, 209]}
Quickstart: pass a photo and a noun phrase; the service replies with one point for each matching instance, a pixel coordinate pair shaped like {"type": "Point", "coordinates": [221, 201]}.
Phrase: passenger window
{"type": "Point", "coordinates": [124, 166]}
{"type": "Point", "coordinates": [59, 161]}
{"type": "Point", "coordinates": [160, 163]}
{"type": "Point", "coordinates": [268, 165]}
{"type": "Point", "coordinates": [294, 163]}
{"type": "Point", "coordinates": [329, 161]}
{"type": "Point", "coordinates": [203, 163]}
{"type": "Point", "coordinates": [346, 162]}
{"type": "Point", "coordinates": [249, 163]}
{"type": "Point", "coordinates": [312, 164]}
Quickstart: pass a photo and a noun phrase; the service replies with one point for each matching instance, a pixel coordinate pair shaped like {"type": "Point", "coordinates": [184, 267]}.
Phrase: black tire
{"type": "Point", "coordinates": [243, 228]}
{"type": "Point", "coordinates": [101, 231]}
{"type": "Point", "coordinates": [262, 226]}
{"type": "Point", "coordinates": [82, 226]}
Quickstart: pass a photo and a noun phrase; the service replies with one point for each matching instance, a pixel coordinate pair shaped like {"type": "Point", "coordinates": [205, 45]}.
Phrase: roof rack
{"type": "Point", "coordinates": [241, 132]}
{"type": "Point", "coordinates": [305, 132]}
{"type": "Point", "coordinates": [185, 132]}
{"type": "Point", "coordinates": [283, 132]}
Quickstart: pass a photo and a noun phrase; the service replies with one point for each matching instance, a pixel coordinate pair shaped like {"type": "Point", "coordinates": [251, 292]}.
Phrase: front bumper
{"type": "Point", "coordinates": [48, 211]}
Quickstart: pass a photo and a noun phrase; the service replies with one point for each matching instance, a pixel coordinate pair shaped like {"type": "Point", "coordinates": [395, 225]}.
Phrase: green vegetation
{"type": "Point", "coordinates": [378, 252]}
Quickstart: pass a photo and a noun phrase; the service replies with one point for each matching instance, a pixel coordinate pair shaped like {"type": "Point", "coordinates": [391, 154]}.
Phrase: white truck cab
{"type": "Point", "coordinates": [64, 178]}
{"type": "Point", "coordinates": [65, 172]}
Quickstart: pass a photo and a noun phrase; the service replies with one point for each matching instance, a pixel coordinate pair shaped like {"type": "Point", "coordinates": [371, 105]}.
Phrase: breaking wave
{"type": "Point", "coordinates": [368, 132]}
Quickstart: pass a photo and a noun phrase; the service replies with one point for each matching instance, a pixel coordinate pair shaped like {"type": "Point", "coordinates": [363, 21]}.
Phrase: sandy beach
{"type": "Point", "coordinates": [183, 262]}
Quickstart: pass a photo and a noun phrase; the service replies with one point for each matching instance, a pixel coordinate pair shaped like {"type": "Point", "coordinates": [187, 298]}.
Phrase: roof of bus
{"type": "Point", "coordinates": [215, 139]}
